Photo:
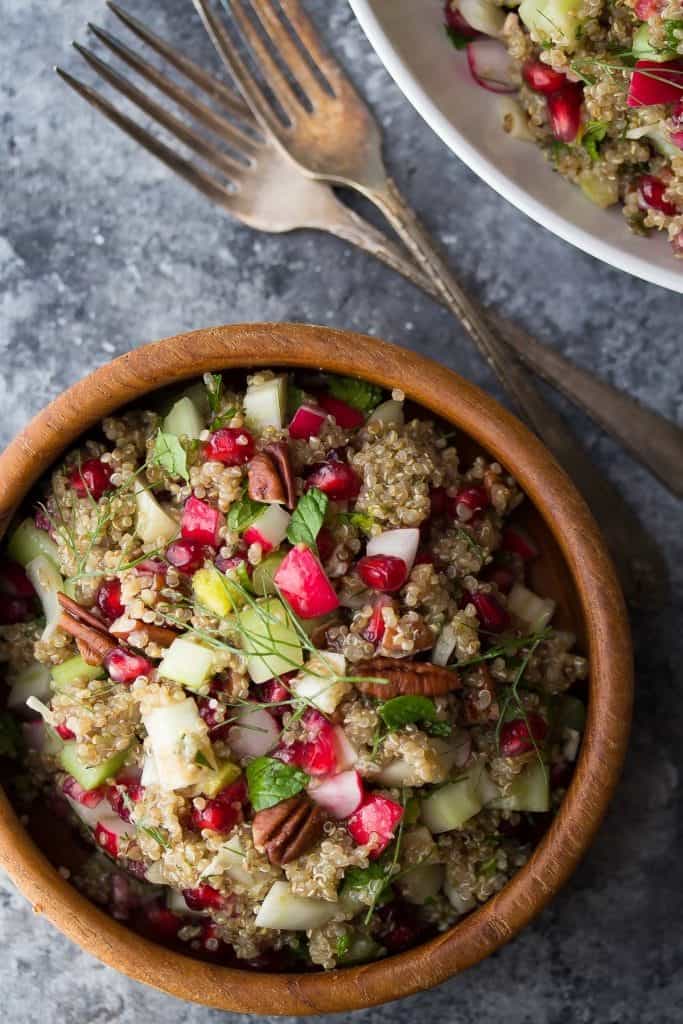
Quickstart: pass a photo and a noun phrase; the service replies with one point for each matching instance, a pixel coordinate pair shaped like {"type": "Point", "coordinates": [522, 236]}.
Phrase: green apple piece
{"type": "Point", "coordinates": [27, 542]}
{"type": "Point", "coordinates": [184, 419]}
{"type": "Point", "coordinates": [190, 663]}
{"type": "Point", "coordinates": [152, 524]}
{"type": "Point", "coordinates": [421, 883]}
{"type": "Point", "coordinates": [267, 630]}
{"type": "Point", "coordinates": [32, 681]}
{"type": "Point", "coordinates": [47, 583]}
{"type": "Point", "coordinates": [602, 192]}
{"type": "Point", "coordinates": [264, 574]}
{"type": "Point", "coordinates": [90, 776]}
{"type": "Point", "coordinates": [455, 803]}
{"type": "Point", "coordinates": [225, 774]}
{"type": "Point", "coordinates": [265, 405]}
{"type": "Point", "coordinates": [74, 670]}
{"type": "Point", "coordinates": [283, 910]}
{"type": "Point", "coordinates": [553, 21]}
{"type": "Point", "coordinates": [642, 48]}
{"type": "Point", "coordinates": [530, 790]}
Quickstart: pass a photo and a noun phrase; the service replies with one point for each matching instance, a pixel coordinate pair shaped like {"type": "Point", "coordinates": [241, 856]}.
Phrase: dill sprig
{"type": "Point", "coordinates": [502, 650]}
{"type": "Point", "coordinates": [513, 700]}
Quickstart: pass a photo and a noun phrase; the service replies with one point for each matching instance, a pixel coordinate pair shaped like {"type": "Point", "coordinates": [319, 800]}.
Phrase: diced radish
{"type": "Point", "coordinates": [398, 543]}
{"type": "Point", "coordinates": [564, 112]}
{"type": "Point", "coordinates": [304, 584]}
{"type": "Point", "coordinates": [270, 529]}
{"type": "Point", "coordinates": [317, 755]}
{"type": "Point", "coordinates": [337, 479]}
{"type": "Point", "coordinates": [125, 667]}
{"type": "Point", "coordinates": [340, 795]}
{"type": "Point", "coordinates": [491, 66]}
{"type": "Point", "coordinates": [307, 422]}
{"type": "Point", "coordinates": [651, 195]}
{"type": "Point", "coordinates": [483, 16]}
{"type": "Point", "coordinates": [64, 732]}
{"type": "Point", "coordinates": [345, 753]}
{"type": "Point", "coordinates": [374, 823]}
{"type": "Point", "coordinates": [109, 832]}
{"type": "Point", "coordinates": [492, 616]}
{"type": "Point", "coordinates": [468, 502]}
{"type": "Point", "coordinates": [517, 540]}
{"type": "Point", "coordinates": [346, 416]}
{"type": "Point", "coordinates": [88, 815]}
{"type": "Point", "coordinates": [232, 446]}
{"type": "Point", "coordinates": [655, 82]}
{"type": "Point", "coordinates": [109, 600]}
{"type": "Point", "coordinates": [120, 798]}
{"type": "Point", "coordinates": [201, 522]}
{"type": "Point", "coordinates": [534, 611]}
{"type": "Point", "coordinates": [14, 581]}
{"type": "Point", "coordinates": [254, 734]}
{"type": "Point", "coordinates": [162, 923]}
{"type": "Point", "coordinates": [265, 404]}
{"type": "Point", "coordinates": [383, 572]}
{"type": "Point", "coordinates": [91, 478]}
{"type": "Point", "coordinates": [542, 78]}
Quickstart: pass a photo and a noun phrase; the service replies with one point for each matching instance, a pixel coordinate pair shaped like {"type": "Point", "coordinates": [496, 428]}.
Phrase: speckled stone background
{"type": "Point", "coordinates": [102, 249]}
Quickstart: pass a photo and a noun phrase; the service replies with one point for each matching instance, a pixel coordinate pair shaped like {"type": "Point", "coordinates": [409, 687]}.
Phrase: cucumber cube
{"type": "Point", "coordinates": [27, 542]}
{"type": "Point", "coordinates": [271, 643]}
{"type": "Point", "coordinates": [90, 776]}
{"type": "Point", "coordinates": [74, 670]}
{"type": "Point", "coordinates": [190, 663]}
{"type": "Point", "coordinates": [529, 792]}
{"type": "Point", "coordinates": [184, 419]}
{"type": "Point", "coordinates": [454, 804]}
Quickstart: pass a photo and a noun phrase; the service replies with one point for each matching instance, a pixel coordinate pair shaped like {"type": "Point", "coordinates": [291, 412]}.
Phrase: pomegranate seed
{"type": "Point", "coordinates": [87, 797]}
{"type": "Point", "coordinates": [318, 754]}
{"type": "Point", "coordinates": [186, 555]}
{"type": "Point", "coordinates": [201, 522]}
{"type": "Point", "coordinates": [125, 667]}
{"type": "Point", "coordinates": [564, 111]}
{"type": "Point", "coordinates": [520, 543]}
{"type": "Point", "coordinates": [164, 923]}
{"type": "Point", "coordinates": [109, 600]}
{"type": "Point", "coordinates": [227, 565]}
{"type": "Point", "coordinates": [92, 478]}
{"type": "Point", "coordinates": [376, 627]}
{"type": "Point", "coordinates": [14, 581]}
{"type": "Point", "coordinates": [204, 897]}
{"type": "Point", "coordinates": [468, 502]}
{"type": "Point", "coordinates": [424, 557]}
{"type": "Point", "coordinates": [646, 8]}
{"type": "Point", "coordinates": [274, 691]}
{"type": "Point", "coordinates": [438, 501]}
{"type": "Point", "coordinates": [108, 840]}
{"type": "Point", "coordinates": [219, 730]}
{"type": "Point", "coordinates": [651, 195]}
{"type": "Point", "coordinates": [120, 797]}
{"type": "Point", "coordinates": [374, 823]}
{"type": "Point", "coordinates": [234, 794]}
{"type": "Point", "coordinates": [383, 572]}
{"type": "Point", "coordinates": [14, 610]}
{"type": "Point", "coordinates": [336, 479]}
{"type": "Point", "coordinates": [520, 736]}
{"type": "Point", "coordinates": [232, 446]}
{"type": "Point", "coordinates": [542, 78]}
{"type": "Point", "coordinates": [346, 416]}
{"type": "Point", "coordinates": [64, 732]}
{"type": "Point", "coordinates": [456, 23]}
{"type": "Point", "coordinates": [491, 615]}
{"type": "Point", "coordinates": [216, 816]}
{"type": "Point", "coordinates": [326, 543]}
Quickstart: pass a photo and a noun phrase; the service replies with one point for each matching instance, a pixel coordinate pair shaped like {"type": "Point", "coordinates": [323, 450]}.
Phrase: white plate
{"type": "Point", "coordinates": [409, 39]}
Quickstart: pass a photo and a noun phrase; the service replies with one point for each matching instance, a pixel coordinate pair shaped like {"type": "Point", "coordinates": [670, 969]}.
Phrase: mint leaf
{"type": "Point", "coordinates": [404, 710]}
{"type": "Point", "coordinates": [11, 741]}
{"type": "Point", "coordinates": [358, 393]}
{"type": "Point", "coordinates": [170, 455]}
{"type": "Point", "coordinates": [459, 40]}
{"type": "Point", "coordinates": [593, 134]}
{"type": "Point", "coordinates": [243, 513]}
{"type": "Point", "coordinates": [270, 781]}
{"type": "Point", "coordinates": [307, 518]}
{"type": "Point", "coordinates": [373, 880]}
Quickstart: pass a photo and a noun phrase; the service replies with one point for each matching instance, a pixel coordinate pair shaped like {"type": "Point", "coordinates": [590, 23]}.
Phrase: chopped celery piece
{"type": "Point", "coordinates": [74, 670]}
{"type": "Point", "coordinates": [27, 542]}
{"type": "Point", "coordinates": [90, 776]}
{"type": "Point", "coordinates": [530, 791]}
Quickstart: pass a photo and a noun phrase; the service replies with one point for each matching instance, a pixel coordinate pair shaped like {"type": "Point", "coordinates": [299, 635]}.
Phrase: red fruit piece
{"type": "Point", "coordinates": [376, 627]}
{"type": "Point", "coordinates": [14, 581]}
{"type": "Point", "coordinates": [92, 477]}
{"type": "Point", "coordinates": [109, 600]}
{"type": "Point", "coordinates": [232, 446]}
{"type": "Point", "coordinates": [424, 557]}
{"type": "Point", "coordinates": [336, 479]}
{"type": "Point", "coordinates": [120, 798]}
{"type": "Point", "coordinates": [107, 839]}
{"type": "Point", "coordinates": [438, 499]}
{"type": "Point", "coordinates": [304, 584]}
{"type": "Point", "coordinates": [234, 795]}
{"type": "Point", "coordinates": [218, 729]}
{"type": "Point", "coordinates": [125, 667]}
{"type": "Point", "coordinates": [522, 735]}
{"type": "Point", "coordinates": [374, 823]}
{"type": "Point", "coordinates": [307, 422]}
{"type": "Point", "coordinates": [163, 923]}
{"type": "Point", "coordinates": [204, 897]}
{"type": "Point", "coordinates": [468, 502]}
{"type": "Point", "coordinates": [64, 732]}
{"type": "Point", "coordinates": [492, 616]}
{"type": "Point", "coordinates": [456, 23]}
{"type": "Point", "coordinates": [383, 572]}
{"type": "Point", "coordinates": [646, 8]}
{"type": "Point", "coordinates": [542, 78]}
{"type": "Point", "coordinates": [651, 195]}
{"type": "Point", "coordinates": [346, 416]}
{"type": "Point", "coordinates": [518, 541]}
{"type": "Point", "coordinates": [87, 797]}
{"type": "Point", "coordinates": [186, 555]}
{"type": "Point", "coordinates": [325, 542]}
{"type": "Point", "coordinates": [201, 522]}
{"type": "Point", "coordinates": [564, 111]}
{"type": "Point", "coordinates": [655, 82]}
{"type": "Point", "coordinates": [217, 816]}
{"type": "Point", "coordinates": [316, 755]}
{"type": "Point", "coordinates": [14, 610]}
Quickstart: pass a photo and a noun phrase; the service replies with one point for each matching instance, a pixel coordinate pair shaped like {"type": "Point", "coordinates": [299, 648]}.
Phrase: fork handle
{"type": "Point", "coordinates": [640, 563]}
{"type": "Point", "coordinates": [652, 439]}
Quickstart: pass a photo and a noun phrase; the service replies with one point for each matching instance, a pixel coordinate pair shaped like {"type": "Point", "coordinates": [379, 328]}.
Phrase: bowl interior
{"type": "Point", "coordinates": [410, 40]}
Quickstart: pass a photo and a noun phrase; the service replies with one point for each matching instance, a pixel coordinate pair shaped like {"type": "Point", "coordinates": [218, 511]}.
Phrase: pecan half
{"type": "Point", "coordinates": [279, 453]}
{"type": "Point", "coordinates": [93, 644]}
{"type": "Point", "coordinates": [163, 636]}
{"type": "Point", "coordinates": [264, 480]}
{"type": "Point", "coordinates": [406, 678]}
{"type": "Point", "coordinates": [287, 830]}
{"type": "Point", "coordinates": [423, 640]}
{"type": "Point", "coordinates": [81, 614]}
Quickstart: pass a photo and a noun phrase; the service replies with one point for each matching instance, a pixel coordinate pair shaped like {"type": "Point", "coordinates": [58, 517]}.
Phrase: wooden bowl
{"type": "Point", "coordinates": [574, 567]}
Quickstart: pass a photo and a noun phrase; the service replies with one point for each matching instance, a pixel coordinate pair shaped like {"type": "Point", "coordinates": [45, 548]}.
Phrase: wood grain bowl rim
{"type": "Point", "coordinates": [608, 640]}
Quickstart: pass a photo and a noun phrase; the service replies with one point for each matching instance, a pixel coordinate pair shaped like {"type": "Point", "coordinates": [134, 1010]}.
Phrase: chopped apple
{"type": "Point", "coordinates": [304, 584]}
{"type": "Point", "coordinates": [214, 781]}
{"type": "Point", "coordinates": [152, 524]}
{"type": "Point", "coordinates": [176, 736]}
{"type": "Point", "coordinates": [188, 662]}
{"type": "Point", "coordinates": [47, 583]}
{"type": "Point", "coordinates": [389, 412]}
{"type": "Point", "coordinates": [283, 910]}
{"type": "Point", "coordinates": [421, 883]}
{"type": "Point", "coordinates": [317, 684]}
{"type": "Point", "coordinates": [27, 542]}
{"type": "Point", "coordinates": [269, 530]}
{"type": "Point", "coordinates": [230, 861]}
{"type": "Point", "coordinates": [461, 904]}
{"type": "Point", "coordinates": [263, 578]}
{"type": "Point", "coordinates": [265, 405]}
{"type": "Point", "coordinates": [184, 419]}
{"type": "Point", "coordinates": [401, 544]}
{"type": "Point", "coordinates": [271, 643]}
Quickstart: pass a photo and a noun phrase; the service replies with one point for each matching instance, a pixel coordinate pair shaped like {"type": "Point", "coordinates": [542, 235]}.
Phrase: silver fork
{"type": "Point", "coordinates": [260, 187]}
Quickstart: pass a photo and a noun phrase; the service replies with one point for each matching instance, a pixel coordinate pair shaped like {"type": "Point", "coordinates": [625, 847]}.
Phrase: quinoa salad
{"type": "Point", "coordinates": [272, 661]}
{"type": "Point", "coordinates": [598, 86]}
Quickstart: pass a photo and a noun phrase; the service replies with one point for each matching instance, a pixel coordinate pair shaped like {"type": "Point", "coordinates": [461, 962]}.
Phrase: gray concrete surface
{"type": "Point", "coordinates": [102, 249]}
